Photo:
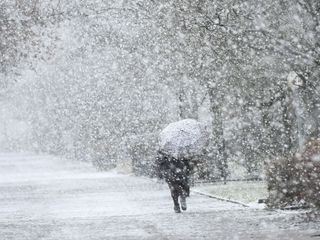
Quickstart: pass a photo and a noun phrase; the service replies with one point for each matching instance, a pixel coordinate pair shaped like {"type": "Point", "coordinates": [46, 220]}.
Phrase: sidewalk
{"type": "Point", "coordinates": [47, 198]}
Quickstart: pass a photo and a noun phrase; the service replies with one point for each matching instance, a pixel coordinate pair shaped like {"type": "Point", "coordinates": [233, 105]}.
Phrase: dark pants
{"type": "Point", "coordinates": [178, 189]}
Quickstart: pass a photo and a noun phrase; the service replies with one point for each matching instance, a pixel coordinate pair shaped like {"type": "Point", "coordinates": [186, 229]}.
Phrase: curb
{"type": "Point", "coordinates": [220, 198]}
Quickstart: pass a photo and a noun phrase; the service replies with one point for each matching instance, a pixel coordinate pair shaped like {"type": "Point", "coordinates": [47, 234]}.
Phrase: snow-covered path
{"type": "Point", "coordinates": [42, 197]}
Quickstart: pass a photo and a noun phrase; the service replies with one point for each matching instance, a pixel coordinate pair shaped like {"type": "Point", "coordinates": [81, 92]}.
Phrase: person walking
{"type": "Point", "coordinates": [176, 172]}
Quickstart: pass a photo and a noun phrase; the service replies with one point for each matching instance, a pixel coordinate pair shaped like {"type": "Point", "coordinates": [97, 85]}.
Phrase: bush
{"type": "Point", "coordinates": [295, 180]}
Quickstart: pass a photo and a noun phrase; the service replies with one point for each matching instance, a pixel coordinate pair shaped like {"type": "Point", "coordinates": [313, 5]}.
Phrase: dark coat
{"type": "Point", "coordinates": [171, 169]}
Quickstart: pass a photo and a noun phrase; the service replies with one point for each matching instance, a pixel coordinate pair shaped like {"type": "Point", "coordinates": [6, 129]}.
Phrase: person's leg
{"type": "Point", "coordinates": [185, 192]}
{"type": "Point", "coordinates": [183, 195]}
{"type": "Point", "coordinates": [183, 202]}
{"type": "Point", "coordinates": [175, 197]}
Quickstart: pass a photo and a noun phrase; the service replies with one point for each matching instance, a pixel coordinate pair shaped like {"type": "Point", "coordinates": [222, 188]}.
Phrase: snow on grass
{"type": "Point", "coordinates": [243, 191]}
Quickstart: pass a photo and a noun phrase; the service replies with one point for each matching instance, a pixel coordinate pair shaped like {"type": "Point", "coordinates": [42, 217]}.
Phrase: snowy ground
{"type": "Point", "coordinates": [42, 197]}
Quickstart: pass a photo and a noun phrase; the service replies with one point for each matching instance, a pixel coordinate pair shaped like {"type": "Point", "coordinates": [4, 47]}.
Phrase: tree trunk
{"type": "Point", "coordinates": [218, 140]}
{"type": "Point", "coordinates": [183, 104]}
{"type": "Point", "coordinates": [188, 105]}
{"type": "Point", "coordinates": [306, 105]}
{"type": "Point", "coordinates": [289, 122]}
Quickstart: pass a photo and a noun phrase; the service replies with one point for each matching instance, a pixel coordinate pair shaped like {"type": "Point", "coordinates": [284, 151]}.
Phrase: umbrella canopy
{"type": "Point", "coordinates": [184, 138]}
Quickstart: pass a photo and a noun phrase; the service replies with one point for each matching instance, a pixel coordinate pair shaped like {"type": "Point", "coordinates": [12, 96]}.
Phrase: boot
{"type": "Point", "coordinates": [183, 203]}
{"type": "Point", "coordinates": [177, 209]}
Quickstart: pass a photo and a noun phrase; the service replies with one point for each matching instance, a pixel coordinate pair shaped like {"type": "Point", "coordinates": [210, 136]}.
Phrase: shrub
{"type": "Point", "coordinates": [295, 180]}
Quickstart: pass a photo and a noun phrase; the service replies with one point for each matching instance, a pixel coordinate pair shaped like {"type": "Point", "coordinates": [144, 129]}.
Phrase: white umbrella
{"type": "Point", "coordinates": [184, 138]}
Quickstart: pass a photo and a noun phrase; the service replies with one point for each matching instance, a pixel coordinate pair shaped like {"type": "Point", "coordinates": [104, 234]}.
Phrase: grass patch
{"type": "Point", "coordinates": [246, 192]}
